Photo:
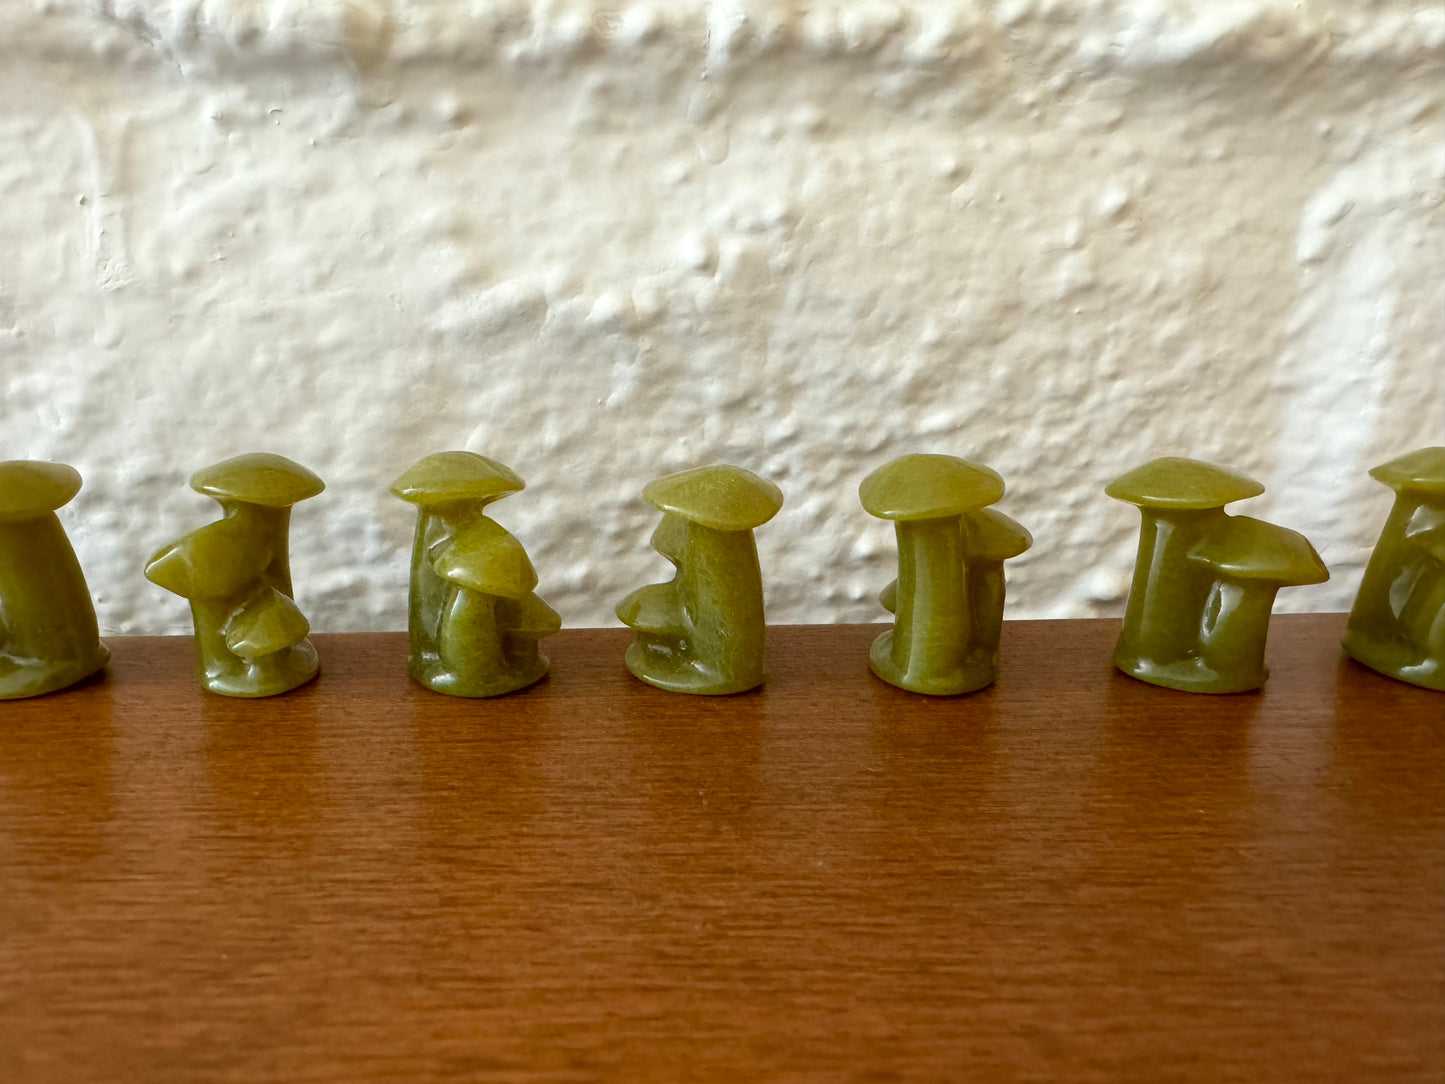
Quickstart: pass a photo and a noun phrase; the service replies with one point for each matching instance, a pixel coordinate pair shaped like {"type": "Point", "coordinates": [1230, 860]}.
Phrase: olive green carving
{"type": "Point", "coordinates": [1397, 625]}
{"type": "Point", "coordinates": [48, 634]}
{"type": "Point", "coordinates": [236, 573]}
{"type": "Point", "coordinates": [475, 620]}
{"type": "Point", "coordinates": [1204, 581]}
{"type": "Point", "coordinates": [703, 631]}
{"type": "Point", "coordinates": [949, 595]}
{"type": "Point", "coordinates": [1250, 561]}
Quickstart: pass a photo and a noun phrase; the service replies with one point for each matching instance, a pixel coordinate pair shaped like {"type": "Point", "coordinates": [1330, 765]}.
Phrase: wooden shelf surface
{"type": "Point", "coordinates": [1072, 876]}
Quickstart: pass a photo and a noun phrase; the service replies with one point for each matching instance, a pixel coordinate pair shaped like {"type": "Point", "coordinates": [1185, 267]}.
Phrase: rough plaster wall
{"type": "Point", "coordinates": [604, 241]}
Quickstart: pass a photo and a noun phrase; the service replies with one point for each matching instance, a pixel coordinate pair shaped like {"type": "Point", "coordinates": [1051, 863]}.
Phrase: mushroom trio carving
{"type": "Point", "coordinates": [1204, 581]}
{"type": "Point", "coordinates": [1397, 626]}
{"type": "Point", "coordinates": [703, 631]}
{"type": "Point", "coordinates": [949, 595]}
{"type": "Point", "coordinates": [236, 573]}
{"type": "Point", "coordinates": [474, 618]}
{"type": "Point", "coordinates": [48, 633]}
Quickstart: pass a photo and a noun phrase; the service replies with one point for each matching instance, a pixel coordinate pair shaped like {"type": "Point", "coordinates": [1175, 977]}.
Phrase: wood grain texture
{"type": "Point", "coordinates": [1072, 876]}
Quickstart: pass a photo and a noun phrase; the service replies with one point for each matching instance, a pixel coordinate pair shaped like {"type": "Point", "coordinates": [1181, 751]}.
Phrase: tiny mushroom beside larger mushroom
{"type": "Point", "coordinates": [473, 617]}
{"type": "Point", "coordinates": [930, 648]}
{"type": "Point", "coordinates": [236, 574]}
{"type": "Point", "coordinates": [1179, 501]}
{"type": "Point", "coordinates": [704, 631]}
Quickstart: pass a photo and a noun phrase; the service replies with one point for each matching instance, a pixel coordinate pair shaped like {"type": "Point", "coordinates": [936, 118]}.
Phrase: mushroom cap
{"type": "Point", "coordinates": [271, 481]}
{"type": "Point", "coordinates": [1182, 484]}
{"type": "Point", "coordinates": [266, 624]}
{"type": "Point", "coordinates": [993, 536]}
{"type": "Point", "coordinates": [454, 477]}
{"type": "Point", "coordinates": [212, 562]}
{"type": "Point", "coordinates": [483, 557]}
{"type": "Point", "coordinates": [723, 498]}
{"type": "Point", "coordinates": [532, 619]}
{"type": "Point", "coordinates": [927, 486]}
{"type": "Point", "coordinates": [30, 487]}
{"type": "Point", "coordinates": [1244, 548]}
{"type": "Point", "coordinates": [1421, 471]}
{"type": "Point", "coordinates": [653, 608]}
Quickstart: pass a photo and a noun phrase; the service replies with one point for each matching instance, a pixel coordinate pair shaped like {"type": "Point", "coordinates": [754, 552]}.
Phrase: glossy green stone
{"type": "Point", "coordinates": [703, 631]}
{"type": "Point", "coordinates": [236, 573]}
{"type": "Point", "coordinates": [48, 633]}
{"type": "Point", "coordinates": [475, 620]}
{"type": "Point", "coordinates": [1204, 581]}
{"type": "Point", "coordinates": [1397, 626]}
{"type": "Point", "coordinates": [949, 596]}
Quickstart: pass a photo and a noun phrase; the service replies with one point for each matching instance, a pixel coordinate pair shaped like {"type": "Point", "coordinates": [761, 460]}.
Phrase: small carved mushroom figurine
{"type": "Point", "coordinates": [703, 631]}
{"type": "Point", "coordinates": [48, 634]}
{"type": "Point", "coordinates": [236, 573]}
{"type": "Point", "coordinates": [1250, 560]}
{"type": "Point", "coordinates": [1397, 625]}
{"type": "Point", "coordinates": [949, 595]}
{"type": "Point", "coordinates": [1180, 502]}
{"type": "Point", "coordinates": [475, 620]}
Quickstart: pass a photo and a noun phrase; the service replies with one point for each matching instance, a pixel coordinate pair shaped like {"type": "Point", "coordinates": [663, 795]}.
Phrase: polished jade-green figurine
{"type": "Point", "coordinates": [48, 634]}
{"type": "Point", "coordinates": [1204, 581]}
{"type": "Point", "coordinates": [949, 595]}
{"type": "Point", "coordinates": [236, 573]}
{"type": "Point", "coordinates": [475, 620]}
{"type": "Point", "coordinates": [703, 631]}
{"type": "Point", "coordinates": [1397, 626]}
{"type": "Point", "coordinates": [1250, 561]}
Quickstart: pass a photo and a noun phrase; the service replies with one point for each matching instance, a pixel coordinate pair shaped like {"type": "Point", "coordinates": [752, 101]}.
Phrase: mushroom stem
{"type": "Point", "coordinates": [926, 648]}
{"type": "Point", "coordinates": [273, 526]}
{"type": "Point", "coordinates": [48, 616]}
{"type": "Point", "coordinates": [720, 585]}
{"type": "Point", "coordinates": [1232, 633]}
{"type": "Point", "coordinates": [220, 668]}
{"type": "Point", "coordinates": [1168, 592]}
{"type": "Point", "coordinates": [469, 643]}
{"type": "Point", "coordinates": [48, 613]}
{"type": "Point", "coordinates": [984, 585]}
{"type": "Point", "coordinates": [428, 591]}
{"type": "Point", "coordinates": [1372, 604]}
{"type": "Point", "coordinates": [468, 640]}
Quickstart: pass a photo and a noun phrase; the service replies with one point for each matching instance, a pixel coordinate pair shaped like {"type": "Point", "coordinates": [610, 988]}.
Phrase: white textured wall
{"type": "Point", "coordinates": [603, 241]}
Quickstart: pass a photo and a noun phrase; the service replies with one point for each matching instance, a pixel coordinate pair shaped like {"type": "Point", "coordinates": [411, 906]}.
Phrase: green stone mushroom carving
{"type": "Point", "coordinates": [949, 595]}
{"type": "Point", "coordinates": [475, 620]}
{"type": "Point", "coordinates": [236, 573]}
{"type": "Point", "coordinates": [48, 634]}
{"type": "Point", "coordinates": [1250, 560]}
{"type": "Point", "coordinates": [703, 631]}
{"type": "Point", "coordinates": [1397, 626]}
{"type": "Point", "coordinates": [1204, 581]}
